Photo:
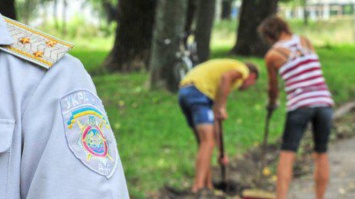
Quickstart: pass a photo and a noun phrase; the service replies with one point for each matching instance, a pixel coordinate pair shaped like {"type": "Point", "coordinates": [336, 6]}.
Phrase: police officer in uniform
{"type": "Point", "coordinates": [55, 138]}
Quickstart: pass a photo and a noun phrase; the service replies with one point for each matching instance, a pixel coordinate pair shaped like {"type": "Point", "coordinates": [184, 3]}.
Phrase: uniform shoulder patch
{"type": "Point", "coordinates": [88, 132]}
{"type": "Point", "coordinates": [34, 46]}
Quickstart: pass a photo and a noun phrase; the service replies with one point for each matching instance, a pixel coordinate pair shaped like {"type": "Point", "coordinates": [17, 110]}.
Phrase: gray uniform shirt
{"type": "Point", "coordinates": [55, 138]}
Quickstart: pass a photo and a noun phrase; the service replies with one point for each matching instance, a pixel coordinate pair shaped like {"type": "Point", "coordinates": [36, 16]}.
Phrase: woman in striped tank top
{"type": "Point", "coordinates": [308, 100]}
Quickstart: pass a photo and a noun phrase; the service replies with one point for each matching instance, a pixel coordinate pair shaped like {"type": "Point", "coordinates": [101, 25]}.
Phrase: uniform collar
{"type": "Point", "coordinates": [5, 37]}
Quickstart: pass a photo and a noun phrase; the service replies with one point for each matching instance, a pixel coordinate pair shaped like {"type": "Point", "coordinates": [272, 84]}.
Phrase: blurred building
{"type": "Point", "coordinates": [319, 9]}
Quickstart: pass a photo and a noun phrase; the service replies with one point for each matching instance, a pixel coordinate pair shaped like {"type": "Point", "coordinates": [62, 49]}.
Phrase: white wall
{"type": "Point", "coordinates": [330, 1]}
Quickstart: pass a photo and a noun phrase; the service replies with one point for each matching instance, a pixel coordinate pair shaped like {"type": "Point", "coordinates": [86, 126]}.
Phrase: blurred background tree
{"type": "Point", "coordinates": [190, 15]}
{"type": "Point", "coordinates": [133, 38]}
{"type": "Point", "coordinates": [169, 27]}
{"type": "Point", "coordinates": [204, 23]}
{"type": "Point", "coordinates": [248, 41]}
{"type": "Point", "coordinates": [107, 9]}
{"type": "Point", "coordinates": [227, 9]}
{"type": "Point", "coordinates": [7, 8]}
{"type": "Point", "coordinates": [28, 9]}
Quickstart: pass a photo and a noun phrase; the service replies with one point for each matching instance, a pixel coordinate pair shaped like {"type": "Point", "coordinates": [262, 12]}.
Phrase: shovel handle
{"type": "Point", "coordinates": [221, 149]}
{"type": "Point", "coordinates": [266, 130]}
{"type": "Point", "coordinates": [264, 146]}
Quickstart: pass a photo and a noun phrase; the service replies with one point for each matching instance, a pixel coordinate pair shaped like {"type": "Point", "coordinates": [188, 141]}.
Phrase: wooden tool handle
{"type": "Point", "coordinates": [221, 149]}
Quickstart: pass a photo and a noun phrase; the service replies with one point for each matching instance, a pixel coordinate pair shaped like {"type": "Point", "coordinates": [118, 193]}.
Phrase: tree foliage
{"type": "Point", "coordinates": [28, 9]}
{"type": "Point", "coordinates": [107, 9]}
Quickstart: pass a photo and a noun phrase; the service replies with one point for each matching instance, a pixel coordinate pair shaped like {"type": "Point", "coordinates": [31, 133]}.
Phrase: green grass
{"type": "Point", "coordinates": [155, 144]}
{"type": "Point", "coordinates": [330, 32]}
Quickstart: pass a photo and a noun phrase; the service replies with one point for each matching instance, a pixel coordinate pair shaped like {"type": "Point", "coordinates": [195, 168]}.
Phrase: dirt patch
{"type": "Point", "coordinates": [243, 171]}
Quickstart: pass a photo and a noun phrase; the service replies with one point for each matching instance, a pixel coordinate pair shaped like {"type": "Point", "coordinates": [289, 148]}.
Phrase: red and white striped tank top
{"type": "Point", "coordinates": [304, 82]}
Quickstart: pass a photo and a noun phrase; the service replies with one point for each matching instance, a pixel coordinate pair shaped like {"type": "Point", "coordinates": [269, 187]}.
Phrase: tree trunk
{"type": "Point", "coordinates": [169, 25]}
{"type": "Point", "coordinates": [64, 18]}
{"type": "Point", "coordinates": [134, 32]}
{"type": "Point", "coordinates": [253, 12]}
{"type": "Point", "coordinates": [190, 17]}
{"type": "Point", "coordinates": [111, 11]}
{"type": "Point", "coordinates": [218, 10]}
{"type": "Point", "coordinates": [55, 14]}
{"type": "Point", "coordinates": [191, 12]}
{"type": "Point", "coordinates": [7, 8]}
{"type": "Point", "coordinates": [305, 13]}
{"type": "Point", "coordinates": [25, 16]}
{"type": "Point", "coordinates": [45, 13]}
{"type": "Point", "coordinates": [226, 9]}
{"type": "Point", "coordinates": [205, 16]}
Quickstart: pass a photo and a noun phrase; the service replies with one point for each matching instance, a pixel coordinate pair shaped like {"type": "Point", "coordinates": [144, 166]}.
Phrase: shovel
{"type": "Point", "coordinates": [224, 184]}
{"type": "Point", "coordinates": [265, 141]}
{"type": "Point", "coordinates": [257, 193]}
{"type": "Point", "coordinates": [227, 186]}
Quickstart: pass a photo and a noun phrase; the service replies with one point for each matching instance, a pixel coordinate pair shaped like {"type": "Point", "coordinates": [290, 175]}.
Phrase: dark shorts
{"type": "Point", "coordinates": [297, 122]}
{"type": "Point", "coordinates": [196, 106]}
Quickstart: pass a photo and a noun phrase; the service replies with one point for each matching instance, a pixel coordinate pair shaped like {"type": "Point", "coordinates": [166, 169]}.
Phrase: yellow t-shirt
{"type": "Point", "coordinates": [206, 76]}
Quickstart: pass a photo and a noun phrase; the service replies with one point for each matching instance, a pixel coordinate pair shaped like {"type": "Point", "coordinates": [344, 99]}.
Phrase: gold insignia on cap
{"type": "Point", "coordinates": [25, 40]}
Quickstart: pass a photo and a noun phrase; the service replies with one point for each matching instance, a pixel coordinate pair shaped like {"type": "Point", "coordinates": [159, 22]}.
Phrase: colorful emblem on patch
{"type": "Point", "coordinates": [88, 132]}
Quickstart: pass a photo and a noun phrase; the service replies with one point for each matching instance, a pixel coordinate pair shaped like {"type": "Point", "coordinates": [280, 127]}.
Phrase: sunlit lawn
{"type": "Point", "coordinates": [154, 141]}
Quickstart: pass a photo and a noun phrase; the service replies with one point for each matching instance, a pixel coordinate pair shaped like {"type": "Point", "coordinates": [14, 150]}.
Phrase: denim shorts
{"type": "Point", "coordinates": [297, 122]}
{"type": "Point", "coordinates": [196, 106]}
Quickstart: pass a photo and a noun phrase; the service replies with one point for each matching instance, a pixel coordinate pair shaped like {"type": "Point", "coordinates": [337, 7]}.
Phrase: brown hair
{"type": "Point", "coordinates": [253, 69]}
{"type": "Point", "coordinates": [272, 27]}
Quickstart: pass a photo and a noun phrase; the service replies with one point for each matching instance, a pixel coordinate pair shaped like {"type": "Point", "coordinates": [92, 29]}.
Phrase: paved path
{"type": "Point", "coordinates": [342, 174]}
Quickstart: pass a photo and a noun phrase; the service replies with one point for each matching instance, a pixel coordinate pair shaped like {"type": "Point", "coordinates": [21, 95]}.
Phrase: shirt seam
{"type": "Point", "coordinates": [31, 96]}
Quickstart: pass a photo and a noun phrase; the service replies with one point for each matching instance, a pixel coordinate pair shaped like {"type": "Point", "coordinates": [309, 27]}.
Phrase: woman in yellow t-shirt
{"type": "Point", "coordinates": [202, 98]}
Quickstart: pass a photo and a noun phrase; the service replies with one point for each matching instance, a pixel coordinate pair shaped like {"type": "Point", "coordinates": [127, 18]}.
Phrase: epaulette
{"type": "Point", "coordinates": [35, 46]}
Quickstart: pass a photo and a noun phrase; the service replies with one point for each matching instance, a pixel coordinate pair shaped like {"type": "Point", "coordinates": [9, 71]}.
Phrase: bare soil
{"type": "Point", "coordinates": [244, 172]}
